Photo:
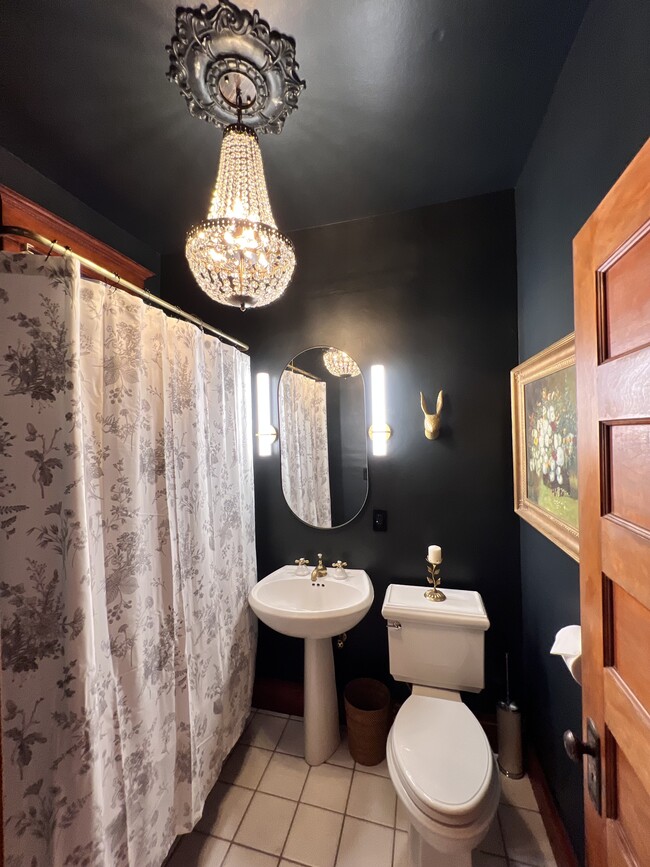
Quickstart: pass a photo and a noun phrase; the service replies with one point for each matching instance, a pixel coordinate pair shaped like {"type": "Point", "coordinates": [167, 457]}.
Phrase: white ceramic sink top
{"type": "Point", "coordinates": [292, 605]}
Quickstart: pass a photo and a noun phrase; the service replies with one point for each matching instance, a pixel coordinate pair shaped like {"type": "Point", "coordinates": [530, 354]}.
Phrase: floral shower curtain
{"type": "Point", "coordinates": [128, 551]}
{"type": "Point", "coordinates": [304, 454]}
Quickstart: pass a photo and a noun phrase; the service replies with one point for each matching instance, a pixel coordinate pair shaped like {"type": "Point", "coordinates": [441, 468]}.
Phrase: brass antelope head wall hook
{"type": "Point", "coordinates": [431, 420]}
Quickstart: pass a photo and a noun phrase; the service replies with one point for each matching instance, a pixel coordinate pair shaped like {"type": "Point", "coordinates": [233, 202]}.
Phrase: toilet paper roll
{"type": "Point", "coordinates": [568, 645]}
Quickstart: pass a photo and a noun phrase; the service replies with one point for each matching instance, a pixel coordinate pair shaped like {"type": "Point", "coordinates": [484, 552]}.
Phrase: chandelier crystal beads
{"type": "Point", "coordinates": [239, 74]}
{"type": "Point", "coordinates": [339, 363]}
{"type": "Point", "coordinates": [238, 256]}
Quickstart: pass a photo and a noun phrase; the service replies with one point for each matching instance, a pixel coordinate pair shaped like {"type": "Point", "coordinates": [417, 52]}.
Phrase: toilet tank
{"type": "Point", "coordinates": [436, 644]}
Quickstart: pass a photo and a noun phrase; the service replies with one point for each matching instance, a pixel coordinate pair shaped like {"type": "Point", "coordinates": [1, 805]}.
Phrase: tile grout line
{"type": "Point", "coordinates": [295, 812]}
{"type": "Point", "coordinates": [255, 790]}
{"type": "Point", "coordinates": [345, 813]}
{"type": "Point", "coordinates": [322, 808]}
{"type": "Point", "coordinates": [503, 838]}
{"type": "Point", "coordinates": [297, 803]}
{"type": "Point", "coordinates": [231, 843]}
{"type": "Point", "coordinates": [293, 801]}
{"type": "Point", "coordinates": [392, 860]}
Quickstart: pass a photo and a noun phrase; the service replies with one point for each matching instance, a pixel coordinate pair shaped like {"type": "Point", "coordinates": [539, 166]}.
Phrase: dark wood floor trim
{"type": "Point", "coordinates": [281, 696]}
{"type": "Point", "coordinates": [557, 833]}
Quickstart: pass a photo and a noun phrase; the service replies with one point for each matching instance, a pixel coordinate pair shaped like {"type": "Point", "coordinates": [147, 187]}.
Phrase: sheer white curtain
{"type": "Point", "coordinates": [128, 551]}
{"type": "Point", "coordinates": [304, 454]}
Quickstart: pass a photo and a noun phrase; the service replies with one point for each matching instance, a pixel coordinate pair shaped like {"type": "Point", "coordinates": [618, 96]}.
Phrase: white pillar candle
{"type": "Point", "coordinates": [435, 554]}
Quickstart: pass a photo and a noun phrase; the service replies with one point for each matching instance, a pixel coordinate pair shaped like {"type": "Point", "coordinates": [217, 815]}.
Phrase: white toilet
{"type": "Point", "coordinates": [439, 758]}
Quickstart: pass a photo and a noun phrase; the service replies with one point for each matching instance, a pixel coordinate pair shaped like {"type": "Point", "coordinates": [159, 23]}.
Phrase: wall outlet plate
{"type": "Point", "coordinates": [379, 520]}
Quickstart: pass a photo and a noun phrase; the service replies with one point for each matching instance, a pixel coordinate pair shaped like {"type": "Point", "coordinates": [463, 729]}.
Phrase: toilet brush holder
{"type": "Point", "coordinates": [510, 759]}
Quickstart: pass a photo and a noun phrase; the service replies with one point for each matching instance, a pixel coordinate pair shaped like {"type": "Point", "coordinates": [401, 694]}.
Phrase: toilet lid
{"type": "Point", "coordinates": [443, 757]}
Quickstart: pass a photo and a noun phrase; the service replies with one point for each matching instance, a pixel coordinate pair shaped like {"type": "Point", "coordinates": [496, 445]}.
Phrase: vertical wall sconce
{"type": "Point", "coordinates": [379, 431]}
{"type": "Point", "coordinates": [266, 433]}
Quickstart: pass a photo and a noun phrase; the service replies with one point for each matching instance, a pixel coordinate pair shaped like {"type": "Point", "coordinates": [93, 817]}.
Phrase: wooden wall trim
{"type": "Point", "coordinates": [557, 833]}
{"type": "Point", "coordinates": [18, 211]}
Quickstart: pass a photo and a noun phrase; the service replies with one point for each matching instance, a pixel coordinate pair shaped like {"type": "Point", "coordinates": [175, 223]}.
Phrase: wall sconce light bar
{"type": "Point", "coordinates": [379, 431]}
{"type": "Point", "coordinates": [266, 433]}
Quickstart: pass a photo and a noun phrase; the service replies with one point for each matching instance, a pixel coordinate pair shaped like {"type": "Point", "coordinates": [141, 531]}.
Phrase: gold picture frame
{"type": "Point", "coordinates": [544, 443]}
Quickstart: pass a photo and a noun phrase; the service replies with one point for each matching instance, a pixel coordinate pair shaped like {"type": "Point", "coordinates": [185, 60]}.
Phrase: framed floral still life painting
{"type": "Point", "coordinates": [545, 443]}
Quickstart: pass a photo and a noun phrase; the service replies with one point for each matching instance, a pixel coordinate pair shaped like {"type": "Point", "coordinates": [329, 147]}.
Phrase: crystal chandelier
{"type": "Point", "coordinates": [236, 72]}
{"type": "Point", "coordinates": [237, 255]}
{"type": "Point", "coordinates": [339, 363]}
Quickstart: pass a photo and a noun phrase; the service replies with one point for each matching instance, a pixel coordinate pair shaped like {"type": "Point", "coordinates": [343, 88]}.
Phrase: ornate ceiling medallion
{"type": "Point", "coordinates": [214, 50]}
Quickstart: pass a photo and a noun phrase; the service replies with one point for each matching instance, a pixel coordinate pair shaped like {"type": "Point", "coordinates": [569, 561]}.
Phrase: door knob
{"type": "Point", "coordinates": [575, 748]}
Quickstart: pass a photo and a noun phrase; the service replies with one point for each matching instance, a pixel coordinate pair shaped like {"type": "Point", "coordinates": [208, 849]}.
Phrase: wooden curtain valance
{"type": "Point", "coordinates": [16, 210]}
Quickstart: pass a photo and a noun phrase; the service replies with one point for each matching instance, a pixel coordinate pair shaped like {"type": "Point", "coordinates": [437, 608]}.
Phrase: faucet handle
{"type": "Point", "coordinates": [302, 562]}
{"type": "Point", "coordinates": [320, 559]}
{"type": "Point", "coordinates": [339, 565]}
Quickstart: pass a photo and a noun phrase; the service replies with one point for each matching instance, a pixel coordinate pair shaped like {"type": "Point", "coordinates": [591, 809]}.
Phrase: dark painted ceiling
{"type": "Point", "coordinates": [408, 102]}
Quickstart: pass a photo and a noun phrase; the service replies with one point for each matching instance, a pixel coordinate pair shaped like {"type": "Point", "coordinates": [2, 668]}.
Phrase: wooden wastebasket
{"type": "Point", "coordinates": [367, 713]}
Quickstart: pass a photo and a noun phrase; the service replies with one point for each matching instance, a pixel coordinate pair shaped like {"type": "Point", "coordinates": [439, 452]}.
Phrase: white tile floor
{"type": "Point", "coordinates": [270, 809]}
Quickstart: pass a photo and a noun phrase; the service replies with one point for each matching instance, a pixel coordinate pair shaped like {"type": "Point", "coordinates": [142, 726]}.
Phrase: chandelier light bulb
{"type": "Point", "coordinates": [238, 256]}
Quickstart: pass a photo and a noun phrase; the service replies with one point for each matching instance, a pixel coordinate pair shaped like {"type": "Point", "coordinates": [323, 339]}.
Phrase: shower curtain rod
{"type": "Point", "coordinates": [306, 373]}
{"type": "Point", "coordinates": [55, 247]}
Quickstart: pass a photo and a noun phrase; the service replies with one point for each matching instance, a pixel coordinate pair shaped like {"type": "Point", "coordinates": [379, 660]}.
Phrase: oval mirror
{"type": "Point", "coordinates": [323, 453]}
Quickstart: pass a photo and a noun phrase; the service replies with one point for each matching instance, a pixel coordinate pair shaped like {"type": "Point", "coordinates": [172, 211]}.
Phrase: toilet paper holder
{"type": "Point", "coordinates": [568, 645]}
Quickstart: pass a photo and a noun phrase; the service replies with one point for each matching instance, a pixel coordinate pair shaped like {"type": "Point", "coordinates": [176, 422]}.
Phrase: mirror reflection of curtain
{"type": "Point", "coordinates": [303, 448]}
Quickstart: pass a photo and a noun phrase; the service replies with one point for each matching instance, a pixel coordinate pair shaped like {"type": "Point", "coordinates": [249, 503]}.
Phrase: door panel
{"type": "Point", "coordinates": [633, 811]}
{"type": "Point", "coordinates": [629, 723]}
{"type": "Point", "coordinates": [618, 846]}
{"type": "Point", "coordinates": [612, 304]}
{"type": "Point", "coordinates": [628, 556]}
{"type": "Point", "coordinates": [629, 474]}
{"type": "Point", "coordinates": [624, 386]}
{"type": "Point", "coordinates": [631, 626]}
{"type": "Point", "coordinates": [627, 299]}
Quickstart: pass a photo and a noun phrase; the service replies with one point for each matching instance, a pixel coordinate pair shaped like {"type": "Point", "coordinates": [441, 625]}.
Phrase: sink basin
{"type": "Point", "coordinates": [294, 606]}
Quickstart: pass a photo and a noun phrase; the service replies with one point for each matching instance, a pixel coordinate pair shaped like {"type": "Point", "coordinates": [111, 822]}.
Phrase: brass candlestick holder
{"type": "Point", "coordinates": [434, 594]}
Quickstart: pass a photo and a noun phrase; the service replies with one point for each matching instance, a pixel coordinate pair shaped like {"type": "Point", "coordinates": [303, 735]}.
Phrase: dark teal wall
{"type": "Point", "coordinates": [431, 294]}
{"type": "Point", "coordinates": [598, 118]}
{"type": "Point", "coordinates": [26, 181]}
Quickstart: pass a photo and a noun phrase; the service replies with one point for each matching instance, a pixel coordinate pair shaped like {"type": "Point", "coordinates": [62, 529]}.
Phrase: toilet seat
{"type": "Point", "coordinates": [441, 759]}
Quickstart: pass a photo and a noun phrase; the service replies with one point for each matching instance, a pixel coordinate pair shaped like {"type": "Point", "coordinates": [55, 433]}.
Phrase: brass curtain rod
{"type": "Point", "coordinates": [306, 373]}
{"type": "Point", "coordinates": [55, 247]}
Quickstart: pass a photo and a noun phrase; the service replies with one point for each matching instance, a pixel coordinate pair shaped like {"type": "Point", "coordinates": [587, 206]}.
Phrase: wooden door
{"type": "Point", "coordinates": [612, 307]}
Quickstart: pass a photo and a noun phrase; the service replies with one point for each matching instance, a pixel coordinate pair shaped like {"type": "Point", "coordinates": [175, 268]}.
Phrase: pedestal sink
{"type": "Point", "coordinates": [296, 606]}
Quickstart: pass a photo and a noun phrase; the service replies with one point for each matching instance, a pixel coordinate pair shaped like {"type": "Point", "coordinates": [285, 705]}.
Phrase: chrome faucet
{"type": "Point", "coordinates": [319, 571]}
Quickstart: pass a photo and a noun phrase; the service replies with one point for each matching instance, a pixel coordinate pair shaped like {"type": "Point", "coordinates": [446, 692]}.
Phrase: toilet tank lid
{"type": "Point", "coordinates": [460, 608]}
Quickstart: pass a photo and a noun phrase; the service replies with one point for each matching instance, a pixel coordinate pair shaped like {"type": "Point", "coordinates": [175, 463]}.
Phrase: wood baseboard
{"type": "Point", "coordinates": [282, 696]}
{"type": "Point", "coordinates": [557, 833]}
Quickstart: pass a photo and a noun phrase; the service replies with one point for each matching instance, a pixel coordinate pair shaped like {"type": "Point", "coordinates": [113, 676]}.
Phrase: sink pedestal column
{"type": "Point", "coordinates": [322, 733]}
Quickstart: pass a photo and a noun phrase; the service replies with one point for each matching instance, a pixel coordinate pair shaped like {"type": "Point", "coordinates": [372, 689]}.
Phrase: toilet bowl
{"type": "Point", "coordinates": [445, 776]}
{"type": "Point", "coordinates": [439, 758]}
